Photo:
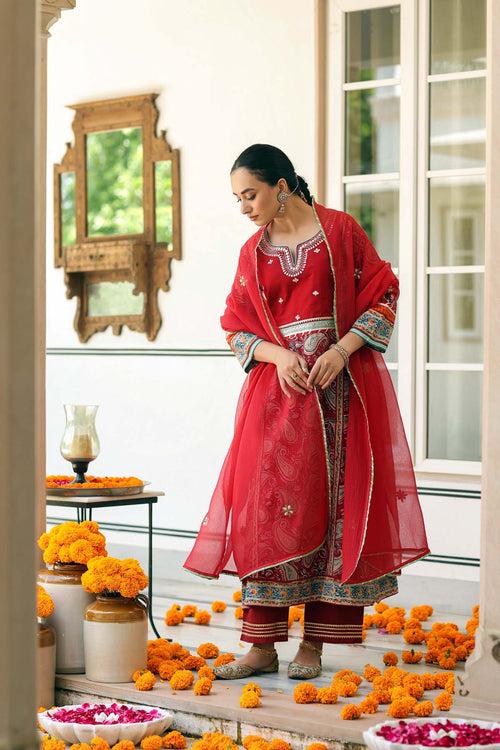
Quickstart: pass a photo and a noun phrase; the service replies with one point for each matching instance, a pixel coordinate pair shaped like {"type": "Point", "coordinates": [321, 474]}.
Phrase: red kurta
{"type": "Point", "coordinates": [247, 528]}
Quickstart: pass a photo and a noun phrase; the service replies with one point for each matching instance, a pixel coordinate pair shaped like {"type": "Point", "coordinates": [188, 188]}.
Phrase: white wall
{"type": "Point", "coordinates": [229, 74]}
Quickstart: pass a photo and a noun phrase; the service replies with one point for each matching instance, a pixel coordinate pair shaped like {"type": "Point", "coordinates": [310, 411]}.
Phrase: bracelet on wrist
{"type": "Point", "coordinates": [343, 352]}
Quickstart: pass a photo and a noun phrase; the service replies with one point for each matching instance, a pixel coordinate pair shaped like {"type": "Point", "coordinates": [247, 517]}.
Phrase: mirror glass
{"type": "Point", "coordinates": [68, 211]}
{"type": "Point", "coordinates": [113, 298]}
{"type": "Point", "coordinates": [115, 182]}
{"type": "Point", "coordinates": [163, 202]}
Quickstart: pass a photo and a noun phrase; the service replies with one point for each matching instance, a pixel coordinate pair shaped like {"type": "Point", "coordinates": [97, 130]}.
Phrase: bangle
{"type": "Point", "coordinates": [343, 353]}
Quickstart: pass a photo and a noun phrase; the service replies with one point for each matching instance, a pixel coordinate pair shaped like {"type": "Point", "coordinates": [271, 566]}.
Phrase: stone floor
{"type": "Point", "coordinates": [279, 715]}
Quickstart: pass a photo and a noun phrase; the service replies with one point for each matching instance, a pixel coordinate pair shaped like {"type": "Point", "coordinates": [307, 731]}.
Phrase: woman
{"type": "Point", "coordinates": [316, 501]}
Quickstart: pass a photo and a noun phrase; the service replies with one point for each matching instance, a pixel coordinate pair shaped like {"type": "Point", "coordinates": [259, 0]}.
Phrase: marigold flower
{"type": "Point", "coordinates": [250, 699]}
{"type": "Point", "coordinates": [167, 668]}
{"type": "Point", "coordinates": [174, 740]}
{"type": "Point", "coordinates": [202, 617]}
{"type": "Point", "coordinates": [399, 709]}
{"type": "Point", "coordinates": [450, 685]}
{"type": "Point", "coordinates": [44, 603]}
{"type": "Point", "coordinates": [423, 708]}
{"type": "Point", "coordinates": [188, 610]}
{"type": "Point", "coordinates": [412, 656]}
{"type": "Point", "coordinates": [390, 658]}
{"type": "Point", "coordinates": [99, 743]}
{"type": "Point", "coordinates": [279, 744]}
{"type": "Point", "coordinates": [80, 746]}
{"type": "Point", "coordinates": [441, 678]}
{"type": "Point", "coordinates": [317, 746]}
{"type": "Point", "coordinates": [380, 607]}
{"type": "Point", "coordinates": [237, 596]}
{"type": "Point", "coordinates": [394, 627]}
{"type": "Point", "coordinates": [72, 542]}
{"type": "Point", "coordinates": [258, 744]}
{"type": "Point", "coordinates": [327, 695]}
{"type": "Point", "coordinates": [343, 674]}
{"type": "Point", "coordinates": [202, 686]}
{"type": "Point", "coordinates": [146, 681]}
{"type": "Point", "coordinates": [218, 606]}
{"type": "Point", "coordinates": [447, 660]}
{"type": "Point", "coordinates": [249, 738]}
{"type": "Point", "coordinates": [382, 696]}
{"type": "Point", "coordinates": [173, 617]}
{"type": "Point", "coordinates": [370, 672]}
{"type": "Point", "coordinates": [51, 743]}
{"type": "Point", "coordinates": [414, 635]}
{"type": "Point", "coordinates": [305, 692]}
{"type": "Point", "coordinates": [253, 686]}
{"type": "Point", "coordinates": [124, 745]}
{"type": "Point", "coordinates": [369, 705]}
{"type": "Point", "coordinates": [206, 671]}
{"type": "Point", "coordinates": [214, 741]}
{"type": "Point", "coordinates": [181, 680]}
{"type": "Point", "coordinates": [443, 701]}
{"type": "Point", "coordinates": [223, 659]}
{"type": "Point", "coordinates": [238, 613]}
{"type": "Point", "coordinates": [431, 656]}
{"type": "Point", "coordinates": [367, 621]}
{"type": "Point", "coordinates": [193, 662]}
{"type": "Point", "coordinates": [153, 742]}
{"type": "Point", "coordinates": [208, 650]}
{"type": "Point", "coordinates": [124, 577]}
{"type": "Point", "coordinates": [138, 673]}
{"type": "Point", "coordinates": [350, 711]}
{"type": "Point", "coordinates": [345, 689]}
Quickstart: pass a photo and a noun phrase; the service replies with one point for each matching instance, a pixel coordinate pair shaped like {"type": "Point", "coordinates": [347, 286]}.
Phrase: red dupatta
{"type": "Point", "coordinates": [277, 458]}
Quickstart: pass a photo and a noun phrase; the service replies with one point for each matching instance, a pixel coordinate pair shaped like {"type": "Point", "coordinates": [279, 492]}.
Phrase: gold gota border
{"type": "Point", "coordinates": [372, 465]}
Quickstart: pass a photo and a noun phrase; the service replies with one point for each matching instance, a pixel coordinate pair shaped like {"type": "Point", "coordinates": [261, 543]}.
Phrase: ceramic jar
{"type": "Point", "coordinates": [46, 665]}
{"type": "Point", "coordinates": [64, 585]}
{"type": "Point", "coordinates": [116, 638]}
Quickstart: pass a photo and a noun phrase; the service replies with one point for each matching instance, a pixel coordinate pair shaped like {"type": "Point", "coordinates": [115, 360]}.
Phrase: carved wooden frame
{"type": "Point", "coordinates": [138, 258]}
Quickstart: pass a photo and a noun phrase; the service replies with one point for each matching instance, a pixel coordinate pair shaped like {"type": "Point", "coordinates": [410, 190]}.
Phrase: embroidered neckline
{"type": "Point", "coordinates": [290, 266]}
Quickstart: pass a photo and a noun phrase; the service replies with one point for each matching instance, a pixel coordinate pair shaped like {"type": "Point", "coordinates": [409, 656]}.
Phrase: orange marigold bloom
{"type": "Point", "coordinates": [51, 743]}
{"type": "Point", "coordinates": [278, 744]}
{"type": "Point", "coordinates": [202, 686]}
{"type": "Point", "coordinates": [305, 692]}
{"type": "Point", "coordinates": [461, 653]}
{"type": "Point", "coordinates": [173, 617]}
{"type": "Point", "coordinates": [382, 682]}
{"type": "Point", "coordinates": [206, 671]}
{"type": "Point", "coordinates": [237, 596]}
{"type": "Point", "coordinates": [153, 742]}
{"type": "Point", "coordinates": [399, 709]}
{"type": "Point", "coordinates": [424, 708]}
{"type": "Point", "coordinates": [327, 695]}
{"type": "Point", "coordinates": [447, 659]}
{"type": "Point", "coordinates": [441, 678]}
{"type": "Point", "coordinates": [350, 711]}
{"type": "Point", "coordinates": [44, 603]}
{"type": "Point", "coordinates": [208, 650]}
{"type": "Point", "coordinates": [124, 745]}
{"type": "Point", "coordinates": [367, 621]}
{"type": "Point", "coordinates": [258, 744]}
{"type": "Point", "coordinates": [99, 743]}
{"type": "Point", "coordinates": [253, 686]}
{"type": "Point", "coordinates": [238, 613]}
{"type": "Point", "coordinates": [370, 672]}
{"type": "Point", "coordinates": [188, 610]}
{"type": "Point", "coordinates": [223, 659]}
{"type": "Point", "coordinates": [450, 685]}
{"type": "Point", "coordinates": [345, 689]}
{"type": "Point", "coordinates": [343, 674]}
{"type": "Point", "coordinates": [394, 627]}
{"type": "Point", "coordinates": [414, 635]}
{"type": "Point", "coordinates": [369, 705]}
{"type": "Point", "coordinates": [475, 610]}
{"type": "Point", "coordinates": [181, 680]}
{"type": "Point", "coordinates": [443, 701]}
{"type": "Point", "coordinates": [431, 656]}
{"type": "Point", "coordinates": [412, 657]}
{"type": "Point", "coordinates": [317, 746]}
{"type": "Point", "coordinates": [193, 662]}
{"type": "Point", "coordinates": [380, 607]}
{"type": "Point", "coordinates": [138, 673]}
{"type": "Point", "coordinates": [249, 738]}
{"type": "Point", "coordinates": [218, 606]}
{"type": "Point", "coordinates": [80, 746]}
{"type": "Point", "coordinates": [390, 658]}
{"type": "Point", "coordinates": [249, 699]}
{"type": "Point", "coordinates": [202, 617]}
{"type": "Point", "coordinates": [145, 681]}
{"type": "Point", "coordinates": [174, 740]}
{"type": "Point", "coordinates": [382, 696]}
{"type": "Point", "coordinates": [167, 668]}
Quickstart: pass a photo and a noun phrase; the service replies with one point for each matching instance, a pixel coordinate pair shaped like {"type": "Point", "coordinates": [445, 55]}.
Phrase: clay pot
{"type": "Point", "coordinates": [115, 637]}
{"type": "Point", "coordinates": [64, 585]}
{"type": "Point", "coordinates": [46, 665]}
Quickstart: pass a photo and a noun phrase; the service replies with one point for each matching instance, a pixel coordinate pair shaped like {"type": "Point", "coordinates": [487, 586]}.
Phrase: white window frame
{"type": "Point", "coordinates": [413, 177]}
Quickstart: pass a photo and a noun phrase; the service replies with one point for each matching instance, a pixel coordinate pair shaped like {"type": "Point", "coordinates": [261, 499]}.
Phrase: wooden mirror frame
{"type": "Point", "coordinates": [137, 258]}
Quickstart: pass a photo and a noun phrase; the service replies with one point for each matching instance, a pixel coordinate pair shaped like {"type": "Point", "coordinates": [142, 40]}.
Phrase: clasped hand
{"type": "Point", "coordinates": [293, 371]}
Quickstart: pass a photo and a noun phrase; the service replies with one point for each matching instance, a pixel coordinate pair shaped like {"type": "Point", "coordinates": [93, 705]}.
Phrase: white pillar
{"type": "Point", "coordinates": [481, 684]}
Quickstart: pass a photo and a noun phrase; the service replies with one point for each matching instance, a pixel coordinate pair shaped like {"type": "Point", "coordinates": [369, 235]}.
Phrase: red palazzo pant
{"type": "Point", "coordinates": [323, 622]}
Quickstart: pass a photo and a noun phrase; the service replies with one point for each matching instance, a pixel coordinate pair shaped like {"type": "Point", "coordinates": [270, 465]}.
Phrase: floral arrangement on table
{"type": "Point", "coordinates": [72, 542]}
{"type": "Point", "coordinates": [54, 481]}
{"type": "Point", "coordinates": [113, 577]}
{"type": "Point", "coordinates": [44, 603]}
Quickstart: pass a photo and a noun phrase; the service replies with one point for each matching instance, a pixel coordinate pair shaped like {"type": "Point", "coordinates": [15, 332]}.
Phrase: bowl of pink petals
{"type": "Point", "coordinates": [420, 734]}
{"type": "Point", "coordinates": [111, 721]}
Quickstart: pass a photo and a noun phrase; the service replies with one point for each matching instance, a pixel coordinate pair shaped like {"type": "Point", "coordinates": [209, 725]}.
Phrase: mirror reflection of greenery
{"type": "Point", "coordinates": [114, 182]}
{"type": "Point", "coordinates": [163, 201]}
{"type": "Point", "coordinates": [68, 212]}
{"type": "Point", "coordinates": [114, 298]}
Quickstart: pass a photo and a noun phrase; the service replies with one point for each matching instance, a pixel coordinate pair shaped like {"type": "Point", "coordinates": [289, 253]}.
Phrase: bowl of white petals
{"type": "Point", "coordinates": [424, 733]}
{"type": "Point", "coordinates": [111, 721]}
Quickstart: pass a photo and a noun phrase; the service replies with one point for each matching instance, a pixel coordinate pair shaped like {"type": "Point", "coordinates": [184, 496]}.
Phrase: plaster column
{"type": "Point", "coordinates": [481, 683]}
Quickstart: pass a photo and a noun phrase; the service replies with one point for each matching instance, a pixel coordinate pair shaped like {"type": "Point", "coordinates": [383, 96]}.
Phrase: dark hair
{"type": "Point", "coordinates": [269, 164]}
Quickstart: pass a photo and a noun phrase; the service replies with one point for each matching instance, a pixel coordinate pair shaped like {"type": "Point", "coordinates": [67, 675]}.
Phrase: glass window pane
{"type": "Point", "coordinates": [454, 415]}
{"type": "Point", "coordinates": [456, 221]}
{"type": "Point", "coordinates": [372, 44]}
{"type": "Point", "coordinates": [458, 35]}
{"type": "Point", "coordinates": [457, 124]}
{"type": "Point", "coordinates": [375, 206]}
{"type": "Point", "coordinates": [391, 353]}
{"type": "Point", "coordinates": [372, 130]}
{"type": "Point", "coordinates": [68, 209]}
{"type": "Point", "coordinates": [456, 317]}
{"type": "Point", "coordinates": [163, 202]}
{"type": "Point", "coordinates": [113, 298]}
{"type": "Point", "coordinates": [114, 182]}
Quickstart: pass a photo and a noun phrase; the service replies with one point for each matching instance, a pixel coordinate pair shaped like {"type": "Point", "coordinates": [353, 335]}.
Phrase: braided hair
{"type": "Point", "coordinates": [270, 164]}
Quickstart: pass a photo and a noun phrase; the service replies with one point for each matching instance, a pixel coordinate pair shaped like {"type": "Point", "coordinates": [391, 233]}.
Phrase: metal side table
{"type": "Point", "coordinates": [84, 507]}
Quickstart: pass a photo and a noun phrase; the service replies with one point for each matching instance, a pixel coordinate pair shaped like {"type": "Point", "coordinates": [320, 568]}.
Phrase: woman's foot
{"type": "Point", "coordinates": [262, 658]}
{"type": "Point", "coordinates": [307, 662]}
